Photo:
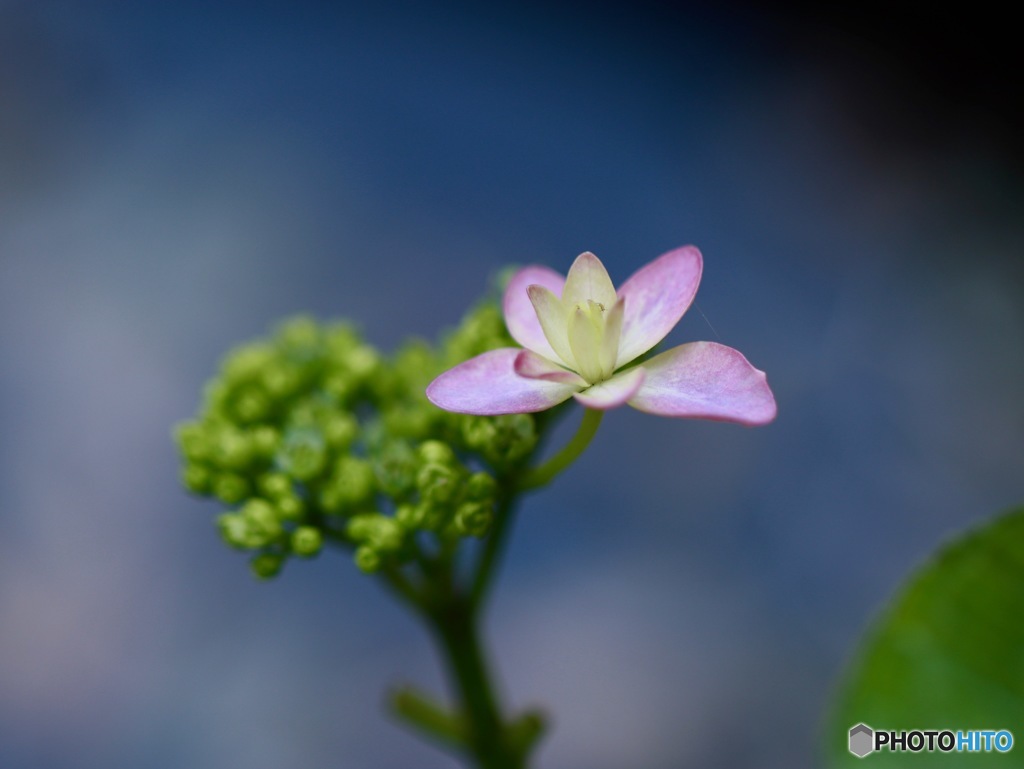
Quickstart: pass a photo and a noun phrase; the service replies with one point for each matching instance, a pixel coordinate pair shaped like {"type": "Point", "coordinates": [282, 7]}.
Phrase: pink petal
{"type": "Point", "coordinates": [656, 297]}
{"type": "Point", "coordinates": [488, 385]}
{"type": "Point", "coordinates": [520, 317]}
{"type": "Point", "coordinates": [613, 392]}
{"type": "Point", "coordinates": [533, 366]}
{"type": "Point", "coordinates": [705, 380]}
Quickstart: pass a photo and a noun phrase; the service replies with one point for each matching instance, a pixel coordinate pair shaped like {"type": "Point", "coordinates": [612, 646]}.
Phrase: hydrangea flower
{"type": "Point", "coordinates": [581, 338]}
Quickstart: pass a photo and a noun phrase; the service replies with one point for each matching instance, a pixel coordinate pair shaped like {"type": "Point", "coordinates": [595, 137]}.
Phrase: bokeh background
{"type": "Point", "coordinates": [174, 177]}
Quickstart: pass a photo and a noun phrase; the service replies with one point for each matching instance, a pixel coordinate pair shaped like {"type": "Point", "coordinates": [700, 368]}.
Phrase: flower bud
{"type": "Point", "coordinates": [230, 488]}
{"type": "Point", "coordinates": [362, 361]}
{"type": "Point", "coordinates": [395, 469]}
{"type": "Point", "coordinates": [339, 387]}
{"type": "Point", "coordinates": [234, 529]}
{"type": "Point", "coordinates": [340, 431]}
{"type": "Point", "coordinates": [245, 362]}
{"type": "Point", "coordinates": [251, 405]}
{"type": "Point", "coordinates": [516, 436]}
{"type": "Point", "coordinates": [298, 335]}
{"type": "Point", "coordinates": [266, 565]}
{"type": "Point", "coordinates": [432, 516]}
{"type": "Point", "coordinates": [306, 541]}
{"type": "Point", "coordinates": [436, 452]}
{"type": "Point", "coordinates": [411, 421]}
{"type": "Point", "coordinates": [339, 339]}
{"type": "Point", "coordinates": [437, 483]}
{"type": "Point", "coordinates": [197, 479]}
{"type": "Point", "coordinates": [193, 441]}
{"type": "Point", "coordinates": [264, 441]}
{"type": "Point", "coordinates": [273, 485]}
{"type": "Point", "coordinates": [280, 382]}
{"type": "Point", "coordinates": [481, 487]}
{"type": "Point", "coordinates": [473, 519]}
{"type": "Point", "coordinates": [263, 520]}
{"type": "Point", "coordinates": [383, 533]}
{"type": "Point", "coordinates": [232, 450]}
{"type": "Point", "coordinates": [353, 480]}
{"type": "Point", "coordinates": [331, 500]}
{"type": "Point", "coordinates": [367, 559]}
{"type": "Point", "coordinates": [388, 534]}
{"type": "Point", "coordinates": [290, 507]}
{"type": "Point", "coordinates": [303, 454]}
{"type": "Point", "coordinates": [360, 526]}
{"type": "Point", "coordinates": [478, 432]}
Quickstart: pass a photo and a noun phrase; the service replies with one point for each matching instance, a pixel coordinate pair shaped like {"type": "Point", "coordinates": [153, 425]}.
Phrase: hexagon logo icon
{"type": "Point", "coordinates": [862, 740]}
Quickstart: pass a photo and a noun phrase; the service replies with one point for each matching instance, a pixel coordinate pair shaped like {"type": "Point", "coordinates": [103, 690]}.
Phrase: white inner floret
{"type": "Point", "coordinates": [593, 337]}
{"type": "Point", "coordinates": [584, 325]}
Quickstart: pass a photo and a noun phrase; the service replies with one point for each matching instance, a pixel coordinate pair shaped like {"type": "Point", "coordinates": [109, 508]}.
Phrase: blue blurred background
{"type": "Point", "coordinates": [174, 177]}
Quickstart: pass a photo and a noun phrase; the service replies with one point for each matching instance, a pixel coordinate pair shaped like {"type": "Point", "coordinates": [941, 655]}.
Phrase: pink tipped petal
{"type": "Point", "coordinates": [656, 297]}
{"type": "Point", "coordinates": [488, 385]}
{"type": "Point", "coordinates": [533, 366]}
{"type": "Point", "coordinates": [520, 317]}
{"type": "Point", "coordinates": [705, 380]}
{"type": "Point", "coordinates": [614, 392]}
{"type": "Point", "coordinates": [588, 279]}
{"type": "Point", "coordinates": [552, 319]}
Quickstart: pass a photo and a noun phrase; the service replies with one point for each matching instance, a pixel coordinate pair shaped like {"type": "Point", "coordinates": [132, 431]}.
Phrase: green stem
{"type": "Point", "coordinates": [479, 726]}
{"type": "Point", "coordinates": [455, 626]}
{"type": "Point", "coordinates": [545, 473]}
{"type": "Point", "coordinates": [493, 548]}
{"type": "Point", "coordinates": [535, 478]}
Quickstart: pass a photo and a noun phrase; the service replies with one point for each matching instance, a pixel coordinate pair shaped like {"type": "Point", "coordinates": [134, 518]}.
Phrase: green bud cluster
{"type": "Point", "coordinates": [312, 436]}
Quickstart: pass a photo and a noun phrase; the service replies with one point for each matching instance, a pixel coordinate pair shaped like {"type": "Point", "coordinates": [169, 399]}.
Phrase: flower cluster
{"type": "Point", "coordinates": [312, 436]}
{"type": "Point", "coordinates": [583, 339]}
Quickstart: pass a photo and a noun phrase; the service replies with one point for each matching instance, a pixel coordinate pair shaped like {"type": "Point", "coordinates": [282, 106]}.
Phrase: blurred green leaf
{"type": "Point", "coordinates": [948, 653]}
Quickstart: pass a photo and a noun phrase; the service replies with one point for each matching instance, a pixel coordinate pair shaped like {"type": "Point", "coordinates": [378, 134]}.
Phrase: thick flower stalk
{"type": "Point", "coordinates": [581, 339]}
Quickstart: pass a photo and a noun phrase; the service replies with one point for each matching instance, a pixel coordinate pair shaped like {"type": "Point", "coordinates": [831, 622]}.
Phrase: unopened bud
{"type": "Point", "coordinates": [290, 507]}
{"type": "Point", "coordinates": [251, 405]}
{"type": "Point", "coordinates": [437, 483]}
{"type": "Point", "coordinates": [410, 516]}
{"type": "Point", "coordinates": [197, 479]}
{"type": "Point", "coordinates": [303, 454]}
{"type": "Point", "coordinates": [263, 519]}
{"type": "Point", "coordinates": [266, 565]}
{"type": "Point", "coordinates": [473, 519]}
{"type": "Point", "coordinates": [232, 450]}
{"type": "Point", "coordinates": [230, 488]}
{"type": "Point", "coordinates": [481, 487]}
{"type": "Point", "coordinates": [245, 362]}
{"type": "Point", "coordinates": [367, 559]}
{"type": "Point", "coordinates": [234, 530]}
{"type": "Point", "coordinates": [306, 541]}
{"type": "Point", "coordinates": [273, 485]}
{"type": "Point", "coordinates": [436, 452]}
{"type": "Point", "coordinates": [265, 441]}
{"type": "Point", "coordinates": [340, 431]}
{"type": "Point", "coordinates": [299, 334]}
{"type": "Point", "coordinates": [193, 441]}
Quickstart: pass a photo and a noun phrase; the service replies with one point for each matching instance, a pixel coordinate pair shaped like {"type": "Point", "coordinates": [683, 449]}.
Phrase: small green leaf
{"type": "Point", "coordinates": [948, 653]}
